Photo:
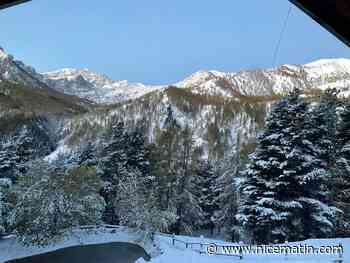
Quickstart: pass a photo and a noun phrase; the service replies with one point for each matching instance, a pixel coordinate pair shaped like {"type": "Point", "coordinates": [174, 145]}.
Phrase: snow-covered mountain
{"type": "Point", "coordinates": [23, 91]}
{"type": "Point", "coordinates": [319, 75]}
{"type": "Point", "coordinates": [216, 105]}
{"type": "Point", "coordinates": [16, 71]}
{"type": "Point", "coordinates": [95, 87]}
{"type": "Point", "coordinates": [81, 83]}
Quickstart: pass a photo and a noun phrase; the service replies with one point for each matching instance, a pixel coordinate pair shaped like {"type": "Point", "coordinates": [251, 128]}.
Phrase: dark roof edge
{"type": "Point", "coordinates": [321, 22]}
{"type": "Point", "coordinates": [2, 6]}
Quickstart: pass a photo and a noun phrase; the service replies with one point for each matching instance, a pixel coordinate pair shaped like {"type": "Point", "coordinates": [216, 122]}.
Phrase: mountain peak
{"type": "Point", "coordinates": [94, 86]}
{"type": "Point", "coordinates": [321, 74]}
{"type": "Point", "coordinates": [328, 67]}
{"type": "Point", "coordinates": [199, 78]}
{"type": "Point", "coordinates": [3, 54]}
{"type": "Point", "coordinates": [329, 61]}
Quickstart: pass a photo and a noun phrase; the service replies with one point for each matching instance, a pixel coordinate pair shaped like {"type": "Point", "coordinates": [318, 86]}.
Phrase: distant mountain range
{"type": "Point", "coordinates": [321, 74]}
{"type": "Point", "coordinates": [98, 88]}
{"type": "Point", "coordinates": [218, 106]}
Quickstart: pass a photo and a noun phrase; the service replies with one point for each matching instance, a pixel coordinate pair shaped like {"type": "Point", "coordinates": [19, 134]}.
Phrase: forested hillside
{"type": "Point", "coordinates": [212, 153]}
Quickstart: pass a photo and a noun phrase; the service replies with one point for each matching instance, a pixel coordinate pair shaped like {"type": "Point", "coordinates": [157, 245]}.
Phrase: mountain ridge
{"type": "Point", "coordinates": [95, 87]}
{"type": "Point", "coordinates": [23, 91]}
{"type": "Point", "coordinates": [221, 108]}
{"type": "Point", "coordinates": [320, 74]}
{"type": "Point", "coordinates": [99, 88]}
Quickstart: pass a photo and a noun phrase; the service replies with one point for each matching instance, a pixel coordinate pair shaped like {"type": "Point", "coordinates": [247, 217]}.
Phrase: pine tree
{"type": "Point", "coordinates": [321, 127]}
{"type": "Point", "coordinates": [113, 168]}
{"type": "Point", "coordinates": [319, 151]}
{"type": "Point", "coordinates": [266, 180]}
{"type": "Point", "coordinates": [137, 155]}
{"type": "Point", "coordinates": [343, 128]}
{"type": "Point", "coordinates": [187, 198]}
{"type": "Point", "coordinates": [284, 190]}
{"type": "Point", "coordinates": [206, 179]}
{"type": "Point", "coordinates": [4, 204]}
{"type": "Point", "coordinates": [24, 144]}
{"type": "Point", "coordinates": [340, 180]}
{"type": "Point", "coordinates": [166, 163]}
{"type": "Point", "coordinates": [87, 155]}
{"type": "Point", "coordinates": [8, 161]}
{"type": "Point", "coordinates": [227, 187]}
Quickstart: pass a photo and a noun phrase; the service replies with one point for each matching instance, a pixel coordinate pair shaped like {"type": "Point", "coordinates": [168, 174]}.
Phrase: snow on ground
{"type": "Point", "coordinates": [62, 149]}
{"type": "Point", "coordinates": [11, 249]}
{"type": "Point", "coordinates": [163, 250]}
{"type": "Point", "coordinates": [179, 253]}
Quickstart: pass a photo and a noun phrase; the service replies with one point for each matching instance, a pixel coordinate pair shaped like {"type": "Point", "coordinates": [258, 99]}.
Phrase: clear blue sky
{"type": "Point", "coordinates": [161, 41]}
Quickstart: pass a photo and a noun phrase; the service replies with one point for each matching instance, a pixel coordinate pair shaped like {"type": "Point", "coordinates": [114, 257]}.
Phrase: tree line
{"type": "Point", "coordinates": [296, 185]}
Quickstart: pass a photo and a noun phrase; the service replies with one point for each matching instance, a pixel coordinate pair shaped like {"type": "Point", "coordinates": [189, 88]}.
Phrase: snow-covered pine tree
{"type": "Point", "coordinates": [340, 180]}
{"type": "Point", "coordinates": [206, 179]}
{"type": "Point", "coordinates": [51, 201]}
{"type": "Point", "coordinates": [26, 143]}
{"type": "Point", "coordinates": [25, 147]}
{"type": "Point", "coordinates": [8, 161]}
{"type": "Point", "coordinates": [318, 150]}
{"type": "Point", "coordinates": [261, 215]}
{"type": "Point", "coordinates": [187, 198]}
{"type": "Point", "coordinates": [286, 196]}
{"type": "Point", "coordinates": [87, 155]}
{"type": "Point", "coordinates": [165, 161]}
{"type": "Point", "coordinates": [322, 127]}
{"type": "Point", "coordinates": [112, 168]}
{"type": "Point", "coordinates": [137, 156]}
{"type": "Point", "coordinates": [343, 128]}
{"type": "Point", "coordinates": [5, 184]}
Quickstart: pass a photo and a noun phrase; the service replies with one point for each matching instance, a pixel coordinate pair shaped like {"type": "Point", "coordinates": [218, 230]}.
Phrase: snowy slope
{"type": "Point", "coordinates": [322, 74]}
{"type": "Point", "coordinates": [215, 122]}
{"type": "Point", "coordinates": [95, 87]}
{"type": "Point", "coordinates": [327, 67]}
